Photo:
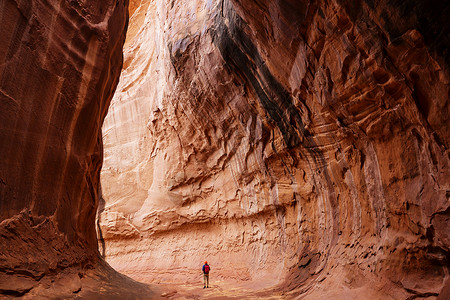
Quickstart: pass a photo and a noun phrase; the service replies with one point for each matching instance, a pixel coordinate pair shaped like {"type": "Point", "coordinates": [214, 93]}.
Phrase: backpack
{"type": "Point", "coordinates": [206, 269]}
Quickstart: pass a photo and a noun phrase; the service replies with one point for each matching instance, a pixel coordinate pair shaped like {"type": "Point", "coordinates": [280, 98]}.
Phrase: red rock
{"type": "Point", "coordinates": [300, 147]}
{"type": "Point", "coordinates": [288, 142]}
{"type": "Point", "coordinates": [59, 66]}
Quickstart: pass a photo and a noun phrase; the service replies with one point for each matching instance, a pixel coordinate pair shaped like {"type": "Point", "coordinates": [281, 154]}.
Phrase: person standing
{"type": "Point", "coordinates": [206, 268]}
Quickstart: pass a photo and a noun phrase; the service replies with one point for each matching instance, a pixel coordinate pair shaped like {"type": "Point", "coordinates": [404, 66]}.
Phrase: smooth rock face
{"type": "Point", "coordinates": [290, 143]}
{"type": "Point", "coordinates": [59, 66]}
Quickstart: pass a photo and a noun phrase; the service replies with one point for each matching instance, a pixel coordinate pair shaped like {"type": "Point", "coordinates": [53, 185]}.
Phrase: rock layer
{"type": "Point", "coordinates": [59, 66]}
{"type": "Point", "coordinates": [291, 143]}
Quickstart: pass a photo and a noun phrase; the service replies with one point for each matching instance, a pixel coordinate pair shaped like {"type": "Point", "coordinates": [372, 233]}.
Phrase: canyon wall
{"type": "Point", "coordinates": [297, 145]}
{"type": "Point", "coordinates": [60, 63]}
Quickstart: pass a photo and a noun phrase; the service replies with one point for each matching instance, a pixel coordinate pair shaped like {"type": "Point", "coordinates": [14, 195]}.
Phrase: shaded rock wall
{"type": "Point", "coordinates": [292, 142]}
{"type": "Point", "coordinates": [59, 65]}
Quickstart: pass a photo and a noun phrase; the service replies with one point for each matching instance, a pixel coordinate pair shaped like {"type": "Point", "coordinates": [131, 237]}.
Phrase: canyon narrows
{"type": "Point", "coordinates": [298, 145]}
{"type": "Point", "coordinates": [301, 147]}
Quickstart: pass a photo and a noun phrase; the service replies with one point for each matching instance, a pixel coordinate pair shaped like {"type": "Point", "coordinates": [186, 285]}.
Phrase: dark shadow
{"type": "Point", "coordinates": [101, 208]}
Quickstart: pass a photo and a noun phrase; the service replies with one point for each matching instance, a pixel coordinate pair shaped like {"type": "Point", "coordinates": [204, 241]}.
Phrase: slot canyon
{"type": "Point", "coordinates": [300, 147]}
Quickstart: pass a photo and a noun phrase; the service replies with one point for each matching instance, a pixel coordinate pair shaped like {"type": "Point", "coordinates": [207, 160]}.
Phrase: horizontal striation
{"type": "Point", "coordinates": [324, 122]}
{"type": "Point", "coordinates": [59, 65]}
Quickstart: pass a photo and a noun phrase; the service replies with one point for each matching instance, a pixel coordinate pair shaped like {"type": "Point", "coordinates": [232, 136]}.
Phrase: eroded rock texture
{"type": "Point", "coordinates": [59, 65]}
{"type": "Point", "coordinates": [302, 144]}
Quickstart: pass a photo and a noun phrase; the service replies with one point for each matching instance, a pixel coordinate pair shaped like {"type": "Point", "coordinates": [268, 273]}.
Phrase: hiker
{"type": "Point", "coordinates": [205, 270]}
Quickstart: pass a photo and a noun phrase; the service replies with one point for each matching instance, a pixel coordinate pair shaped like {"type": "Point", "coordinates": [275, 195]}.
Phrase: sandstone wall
{"type": "Point", "coordinates": [59, 66]}
{"type": "Point", "coordinates": [296, 143]}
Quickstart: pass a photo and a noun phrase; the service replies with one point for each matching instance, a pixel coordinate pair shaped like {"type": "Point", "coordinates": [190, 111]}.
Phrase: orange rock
{"type": "Point", "coordinates": [59, 65]}
{"type": "Point", "coordinates": [289, 142]}
{"type": "Point", "coordinates": [301, 147]}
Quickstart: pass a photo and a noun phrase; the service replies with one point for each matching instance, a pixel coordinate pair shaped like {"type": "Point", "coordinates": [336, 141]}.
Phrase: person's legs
{"type": "Point", "coordinates": [204, 280]}
{"type": "Point", "coordinates": [207, 280]}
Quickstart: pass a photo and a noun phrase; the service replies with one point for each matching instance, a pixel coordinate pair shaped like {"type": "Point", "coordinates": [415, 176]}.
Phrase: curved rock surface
{"type": "Point", "coordinates": [295, 144]}
{"type": "Point", "coordinates": [286, 142]}
{"type": "Point", "coordinates": [60, 62]}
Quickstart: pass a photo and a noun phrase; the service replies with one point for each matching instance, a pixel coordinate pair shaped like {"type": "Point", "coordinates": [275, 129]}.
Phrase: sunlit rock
{"type": "Point", "coordinates": [59, 66]}
{"type": "Point", "coordinates": [293, 144]}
